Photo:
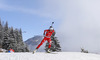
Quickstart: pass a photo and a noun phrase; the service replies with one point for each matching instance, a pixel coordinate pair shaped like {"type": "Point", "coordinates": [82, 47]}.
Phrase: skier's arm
{"type": "Point", "coordinates": [44, 32]}
{"type": "Point", "coordinates": [53, 33]}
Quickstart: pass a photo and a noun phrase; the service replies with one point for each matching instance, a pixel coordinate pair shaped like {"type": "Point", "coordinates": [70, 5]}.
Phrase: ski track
{"type": "Point", "coordinates": [49, 56]}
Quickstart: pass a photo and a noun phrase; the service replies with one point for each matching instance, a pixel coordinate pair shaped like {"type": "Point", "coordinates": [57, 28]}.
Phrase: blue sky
{"type": "Point", "coordinates": [29, 15]}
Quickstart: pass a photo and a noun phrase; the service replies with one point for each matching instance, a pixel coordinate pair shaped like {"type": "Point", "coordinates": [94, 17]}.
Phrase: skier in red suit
{"type": "Point", "coordinates": [47, 37]}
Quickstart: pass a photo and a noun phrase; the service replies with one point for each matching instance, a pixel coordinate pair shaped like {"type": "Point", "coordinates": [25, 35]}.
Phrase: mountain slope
{"type": "Point", "coordinates": [49, 56]}
{"type": "Point", "coordinates": [33, 42]}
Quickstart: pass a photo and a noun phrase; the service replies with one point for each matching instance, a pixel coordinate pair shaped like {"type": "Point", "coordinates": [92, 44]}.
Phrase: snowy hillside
{"type": "Point", "coordinates": [33, 42]}
{"type": "Point", "coordinates": [49, 56]}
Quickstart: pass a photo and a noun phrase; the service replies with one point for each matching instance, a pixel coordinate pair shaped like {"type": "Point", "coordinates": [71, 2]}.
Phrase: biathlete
{"type": "Point", "coordinates": [47, 37]}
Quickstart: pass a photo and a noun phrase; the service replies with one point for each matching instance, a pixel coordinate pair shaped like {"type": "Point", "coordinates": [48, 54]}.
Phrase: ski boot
{"type": "Point", "coordinates": [48, 51]}
{"type": "Point", "coordinates": [35, 50]}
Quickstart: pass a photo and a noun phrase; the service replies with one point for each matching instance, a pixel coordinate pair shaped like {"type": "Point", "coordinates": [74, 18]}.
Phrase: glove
{"type": "Point", "coordinates": [43, 34]}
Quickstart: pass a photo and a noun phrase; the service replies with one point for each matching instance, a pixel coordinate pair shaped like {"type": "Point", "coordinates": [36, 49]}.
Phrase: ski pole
{"type": "Point", "coordinates": [52, 23]}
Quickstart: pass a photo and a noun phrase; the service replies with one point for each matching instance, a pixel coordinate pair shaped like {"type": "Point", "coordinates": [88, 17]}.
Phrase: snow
{"type": "Point", "coordinates": [49, 56]}
{"type": "Point", "coordinates": [3, 50]}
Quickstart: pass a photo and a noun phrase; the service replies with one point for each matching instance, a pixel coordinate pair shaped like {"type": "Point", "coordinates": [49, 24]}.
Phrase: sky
{"type": "Point", "coordinates": [81, 25]}
{"type": "Point", "coordinates": [30, 16]}
{"type": "Point", "coordinates": [77, 22]}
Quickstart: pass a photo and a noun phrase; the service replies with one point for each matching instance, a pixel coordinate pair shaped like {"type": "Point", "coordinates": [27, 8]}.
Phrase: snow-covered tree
{"type": "Point", "coordinates": [55, 46]}
{"type": "Point", "coordinates": [11, 38]}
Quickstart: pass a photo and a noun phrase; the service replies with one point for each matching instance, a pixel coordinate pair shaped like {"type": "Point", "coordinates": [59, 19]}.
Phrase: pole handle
{"type": "Point", "coordinates": [52, 23]}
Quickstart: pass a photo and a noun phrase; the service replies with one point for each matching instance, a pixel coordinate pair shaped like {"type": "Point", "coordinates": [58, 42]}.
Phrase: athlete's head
{"type": "Point", "coordinates": [51, 28]}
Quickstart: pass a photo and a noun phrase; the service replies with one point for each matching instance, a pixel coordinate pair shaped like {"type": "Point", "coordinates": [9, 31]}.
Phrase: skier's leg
{"type": "Point", "coordinates": [41, 43]}
{"type": "Point", "coordinates": [49, 43]}
{"type": "Point", "coordinates": [49, 40]}
{"type": "Point", "coordinates": [35, 51]}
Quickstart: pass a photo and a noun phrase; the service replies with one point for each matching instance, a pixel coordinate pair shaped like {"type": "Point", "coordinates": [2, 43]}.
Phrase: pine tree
{"type": "Point", "coordinates": [6, 27]}
{"type": "Point", "coordinates": [6, 42]}
{"type": "Point", "coordinates": [13, 42]}
{"type": "Point", "coordinates": [55, 46]}
{"type": "Point", "coordinates": [20, 44]}
{"type": "Point", "coordinates": [11, 38]}
{"type": "Point", "coordinates": [20, 31]}
{"type": "Point", "coordinates": [0, 33]}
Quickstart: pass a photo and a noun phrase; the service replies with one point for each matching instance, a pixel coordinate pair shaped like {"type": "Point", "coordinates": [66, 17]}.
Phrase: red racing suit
{"type": "Point", "coordinates": [47, 37]}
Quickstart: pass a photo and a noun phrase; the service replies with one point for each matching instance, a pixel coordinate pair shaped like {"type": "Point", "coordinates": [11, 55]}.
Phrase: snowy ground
{"type": "Point", "coordinates": [51, 56]}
